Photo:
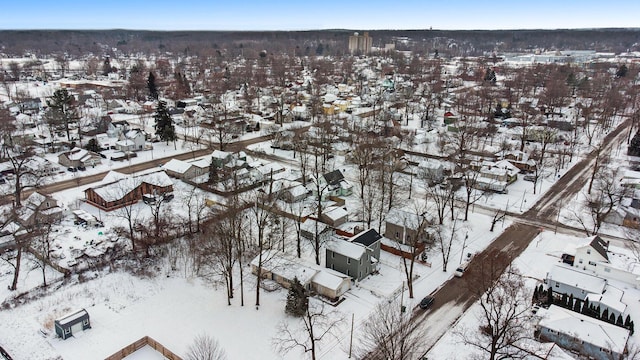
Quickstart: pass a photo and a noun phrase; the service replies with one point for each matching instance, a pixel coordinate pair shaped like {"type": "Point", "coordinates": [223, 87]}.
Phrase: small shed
{"type": "Point", "coordinates": [72, 323]}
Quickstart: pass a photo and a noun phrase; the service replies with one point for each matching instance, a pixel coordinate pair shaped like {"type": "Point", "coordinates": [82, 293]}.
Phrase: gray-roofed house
{"type": "Point", "coordinates": [356, 257]}
{"type": "Point", "coordinates": [72, 323]}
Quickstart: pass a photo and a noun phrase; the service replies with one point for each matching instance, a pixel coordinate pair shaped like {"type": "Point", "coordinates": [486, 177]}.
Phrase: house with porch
{"type": "Point", "coordinates": [118, 190]}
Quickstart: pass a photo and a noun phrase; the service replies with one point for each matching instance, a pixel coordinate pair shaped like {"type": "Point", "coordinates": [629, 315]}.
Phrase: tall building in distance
{"type": "Point", "coordinates": [360, 44]}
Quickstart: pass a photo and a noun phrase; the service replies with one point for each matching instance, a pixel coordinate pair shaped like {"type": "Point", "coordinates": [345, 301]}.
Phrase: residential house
{"type": "Point", "coordinates": [118, 190]}
{"type": "Point", "coordinates": [334, 216]}
{"type": "Point", "coordinates": [594, 258]}
{"type": "Point", "coordinates": [496, 176]}
{"type": "Point", "coordinates": [132, 140]}
{"type": "Point", "coordinates": [519, 159]}
{"type": "Point", "coordinates": [356, 257]}
{"type": "Point", "coordinates": [405, 227]}
{"type": "Point", "coordinates": [116, 128]}
{"type": "Point", "coordinates": [334, 184]}
{"type": "Point", "coordinates": [289, 191]}
{"type": "Point", "coordinates": [79, 157]}
{"type": "Point", "coordinates": [219, 158]}
{"type": "Point", "coordinates": [187, 170]}
{"type": "Point", "coordinates": [563, 279]}
{"type": "Point", "coordinates": [431, 170]}
{"type": "Point", "coordinates": [39, 208]}
{"type": "Point", "coordinates": [31, 105]}
{"type": "Point", "coordinates": [590, 337]}
{"type": "Point", "coordinates": [308, 231]}
{"type": "Point", "coordinates": [284, 268]}
{"type": "Point", "coordinates": [590, 254]}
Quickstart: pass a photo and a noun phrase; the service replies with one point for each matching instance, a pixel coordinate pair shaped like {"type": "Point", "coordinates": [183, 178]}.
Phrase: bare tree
{"type": "Point", "coordinates": [415, 236]}
{"type": "Point", "coordinates": [219, 250]}
{"type": "Point", "coordinates": [205, 347]}
{"type": "Point", "coordinates": [388, 334]}
{"type": "Point", "coordinates": [28, 173]}
{"type": "Point", "coordinates": [317, 323]}
{"type": "Point", "coordinates": [262, 216]}
{"type": "Point", "coordinates": [504, 317]}
{"type": "Point", "coordinates": [605, 197]}
{"type": "Point", "coordinates": [445, 237]}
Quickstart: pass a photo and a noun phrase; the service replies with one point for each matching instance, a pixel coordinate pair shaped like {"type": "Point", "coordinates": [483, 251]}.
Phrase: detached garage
{"type": "Point", "coordinates": [72, 323]}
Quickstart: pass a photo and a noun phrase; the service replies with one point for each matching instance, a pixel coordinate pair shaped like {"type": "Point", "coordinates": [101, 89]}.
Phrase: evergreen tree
{"type": "Point", "coordinates": [622, 71]}
{"type": "Point", "coordinates": [570, 302]}
{"type": "Point", "coordinates": [577, 305]}
{"type": "Point", "coordinates": [627, 321]}
{"type": "Point", "coordinates": [92, 145]}
{"type": "Point", "coordinates": [586, 307]}
{"type": "Point", "coordinates": [619, 321]}
{"type": "Point", "coordinates": [164, 126]}
{"type": "Point", "coordinates": [564, 301]}
{"type": "Point", "coordinates": [550, 296]}
{"type": "Point", "coordinates": [297, 299]}
{"type": "Point", "coordinates": [631, 327]}
{"type": "Point", "coordinates": [61, 103]}
{"type": "Point", "coordinates": [612, 318]}
{"type": "Point", "coordinates": [151, 85]}
{"type": "Point", "coordinates": [535, 294]}
{"type": "Point", "coordinates": [605, 315]}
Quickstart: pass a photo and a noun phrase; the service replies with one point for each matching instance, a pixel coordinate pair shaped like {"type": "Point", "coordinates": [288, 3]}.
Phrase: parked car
{"type": "Point", "coordinates": [426, 302]}
{"type": "Point", "coordinates": [82, 168]}
{"type": "Point", "coordinates": [72, 169]}
{"type": "Point", "coordinates": [461, 269]}
{"type": "Point", "coordinates": [531, 178]}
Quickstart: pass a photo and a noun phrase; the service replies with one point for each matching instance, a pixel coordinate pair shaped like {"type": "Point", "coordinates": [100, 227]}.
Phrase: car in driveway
{"type": "Point", "coordinates": [426, 302]}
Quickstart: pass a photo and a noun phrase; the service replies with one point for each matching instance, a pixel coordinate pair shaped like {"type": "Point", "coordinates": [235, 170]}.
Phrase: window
{"type": "Point", "coordinates": [588, 251]}
{"type": "Point", "coordinates": [557, 285]}
{"type": "Point", "coordinates": [348, 262]}
{"type": "Point", "coordinates": [397, 235]}
{"type": "Point", "coordinates": [333, 255]}
{"type": "Point", "coordinates": [85, 322]}
{"type": "Point", "coordinates": [580, 261]}
{"type": "Point", "coordinates": [360, 261]}
{"type": "Point", "coordinates": [67, 331]}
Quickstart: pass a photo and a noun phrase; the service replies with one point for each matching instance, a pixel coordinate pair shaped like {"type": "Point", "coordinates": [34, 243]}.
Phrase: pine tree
{"type": "Point", "coordinates": [627, 321]}
{"type": "Point", "coordinates": [151, 85]}
{"type": "Point", "coordinates": [631, 327]}
{"type": "Point", "coordinates": [586, 307]}
{"type": "Point", "coordinates": [164, 126]}
{"type": "Point", "coordinates": [570, 302]}
{"type": "Point", "coordinates": [577, 305]}
{"type": "Point", "coordinates": [619, 321]}
{"type": "Point", "coordinates": [297, 299]}
{"type": "Point", "coordinates": [564, 300]}
{"type": "Point", "coordinates": [550, 296]}
{"type": "Point", "coordinates": [612, 318]}
{"type": "Point", "coordinates": [605, 315]}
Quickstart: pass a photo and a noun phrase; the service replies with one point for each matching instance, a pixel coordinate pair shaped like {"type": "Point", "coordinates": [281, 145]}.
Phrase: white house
{"type": "Point", "coordinates": [591, 337]}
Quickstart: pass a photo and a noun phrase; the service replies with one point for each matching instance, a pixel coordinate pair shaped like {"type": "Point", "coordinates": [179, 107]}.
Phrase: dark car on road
{"type": "Point", "coordinates": [426, 302]}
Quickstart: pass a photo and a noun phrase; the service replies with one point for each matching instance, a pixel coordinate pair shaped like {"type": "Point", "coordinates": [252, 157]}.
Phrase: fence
{"type": "Point", "coordinates": [135, 346]}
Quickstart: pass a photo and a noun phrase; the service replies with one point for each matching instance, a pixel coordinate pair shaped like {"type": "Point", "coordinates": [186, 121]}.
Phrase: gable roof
{"type": "Point", "coordinates": [334, 177]}
{"type": "Point", "coordinates": [366, 238]}
{"type": "Point", "coordinates": [600, 246]}
{"type": "Point", "coordinates": [578, 279]}
{"type": "Point", "coordinates": [346, 248]}
{"type": "Point", "coordinates": [585, 328]}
